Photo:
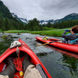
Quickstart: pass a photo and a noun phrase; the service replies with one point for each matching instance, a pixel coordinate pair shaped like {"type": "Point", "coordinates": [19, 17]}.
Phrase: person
{"type": "Point", "coordinates": [30, 71]}
{"type": "Point", "coordinates": [45, 38]}
{"type": "Point", "coordinates": [71, 37]}
{"type": "Point", "coordinates": [9, 71]}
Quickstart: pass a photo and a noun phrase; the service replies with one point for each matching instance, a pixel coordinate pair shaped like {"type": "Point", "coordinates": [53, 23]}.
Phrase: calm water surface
{"type": "Point", "coordinates": [58, 65]}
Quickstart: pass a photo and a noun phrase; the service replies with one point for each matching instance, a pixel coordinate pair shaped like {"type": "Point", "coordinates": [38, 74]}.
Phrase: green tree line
{"type": "Point", "coordinates": [63, 24]}
{"type": "Point", "coordinates": [32, 25]}
{"type": "Point", "coordinates": [66, 24]}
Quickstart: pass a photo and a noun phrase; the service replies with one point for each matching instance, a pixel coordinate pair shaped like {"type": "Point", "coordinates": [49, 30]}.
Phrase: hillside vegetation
{"type": "Point", "coordinates": [9, 23]}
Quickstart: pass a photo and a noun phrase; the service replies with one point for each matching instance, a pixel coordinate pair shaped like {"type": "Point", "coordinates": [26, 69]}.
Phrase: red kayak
{"type": "Point", "coordinates": [18, 56]}
{"type": "Point", "coordinates": [64, 46]}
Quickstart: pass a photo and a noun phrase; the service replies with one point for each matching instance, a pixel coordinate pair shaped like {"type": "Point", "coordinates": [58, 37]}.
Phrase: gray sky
{"type": "Point", "coordinates": [42, 9]}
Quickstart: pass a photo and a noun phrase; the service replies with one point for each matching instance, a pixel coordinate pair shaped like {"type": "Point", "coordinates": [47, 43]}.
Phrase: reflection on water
{"type": "Point", "coordinates": [4, 44]}
{"type": "Point", "coordinates": [58, 64]}
{"type": "Point", "coordinates": [72, 63]}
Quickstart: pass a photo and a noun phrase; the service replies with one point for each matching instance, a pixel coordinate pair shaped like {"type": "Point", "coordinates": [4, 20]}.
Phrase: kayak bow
{"type": "Point", "coordinates": [24, 49]}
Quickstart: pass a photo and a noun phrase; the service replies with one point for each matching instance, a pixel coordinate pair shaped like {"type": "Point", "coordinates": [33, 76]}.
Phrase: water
{"type": "Point", "coordinates": [58, 65]}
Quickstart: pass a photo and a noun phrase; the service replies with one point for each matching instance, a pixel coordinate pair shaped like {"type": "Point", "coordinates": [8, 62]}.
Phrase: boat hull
{"type": "Point", "coordinates": [60, 45]}
{"type": "Point", "coordinates": [23, 48]}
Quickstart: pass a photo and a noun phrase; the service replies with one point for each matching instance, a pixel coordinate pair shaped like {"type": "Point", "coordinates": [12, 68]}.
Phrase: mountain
{"type": "Point", "coordinates": [23, 20]}
{"type": "Point", "coordinates": [4, 11]}
{"type": "Point", "coordinates": [7, 21]}
{"type": "Point", "coordinates": [46, 21]}
{"type": "Point", "coordinates": [73, 16]}
{"type": "Point", "coordinates": [10, 21]}
{"type": "Point", "coordinates": [18, 18]}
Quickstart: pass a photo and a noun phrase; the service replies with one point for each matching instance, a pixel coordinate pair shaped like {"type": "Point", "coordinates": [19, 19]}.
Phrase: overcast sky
{"type": "Point", "coordinates": [42, 9]}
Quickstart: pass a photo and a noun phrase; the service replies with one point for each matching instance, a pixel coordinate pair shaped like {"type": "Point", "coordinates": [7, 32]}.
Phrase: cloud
{"type": "Point", "coordinates": [42, 9]}
{"type": "Point", "coordinates": [59, 8]}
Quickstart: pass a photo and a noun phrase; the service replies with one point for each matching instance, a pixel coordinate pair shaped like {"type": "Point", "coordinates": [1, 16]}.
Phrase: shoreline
{"type": "Point", "coordinates": [54, 32]}
{"type": "Point", "coordinates": [51, 32]}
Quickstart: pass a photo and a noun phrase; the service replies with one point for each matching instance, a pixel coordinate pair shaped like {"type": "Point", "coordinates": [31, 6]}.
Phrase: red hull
{"type": "Point", "coordinates": [64, 46]}
{"type": "Point", "coordinates": [24, 48]}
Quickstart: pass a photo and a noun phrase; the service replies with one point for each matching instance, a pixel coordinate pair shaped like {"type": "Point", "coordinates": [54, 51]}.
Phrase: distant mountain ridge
{"type": "Point", "coordinates": [19, 19]}
{"type": "Point", "coordinates": [4, 11]}
{"type": "Point", "coordinates": [72, 16]}
{"type": "Point", "coordinates": [7, 21]}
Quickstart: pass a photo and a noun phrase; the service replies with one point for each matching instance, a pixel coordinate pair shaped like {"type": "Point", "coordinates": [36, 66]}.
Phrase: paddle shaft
{"type": "Point", "coordinates": [49, 42]}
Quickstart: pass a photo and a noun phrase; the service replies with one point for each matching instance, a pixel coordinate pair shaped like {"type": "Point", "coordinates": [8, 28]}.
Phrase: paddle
{"type": "Point", "coordinates": [43, 44]}
{"type": "Point", "coordinates": [48, 43]}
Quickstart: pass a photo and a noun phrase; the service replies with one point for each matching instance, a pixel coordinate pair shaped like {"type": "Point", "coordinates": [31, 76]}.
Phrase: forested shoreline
{"type": "Point", "coordinates": [8, 22]}
{"type": "Point", "coordinates": [33, 25]}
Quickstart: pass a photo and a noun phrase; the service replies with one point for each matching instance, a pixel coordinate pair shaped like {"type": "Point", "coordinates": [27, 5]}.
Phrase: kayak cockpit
{"type": "Point", "coordinates": [19, 61]}
{"type": "Point", "coordinates": [16, 66]}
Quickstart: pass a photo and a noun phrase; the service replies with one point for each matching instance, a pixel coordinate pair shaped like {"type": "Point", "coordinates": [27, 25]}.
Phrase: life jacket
{"type": "Point", "coordinates": [45, 38]}
{"type": "Point", "coordinates": [73, 41]}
